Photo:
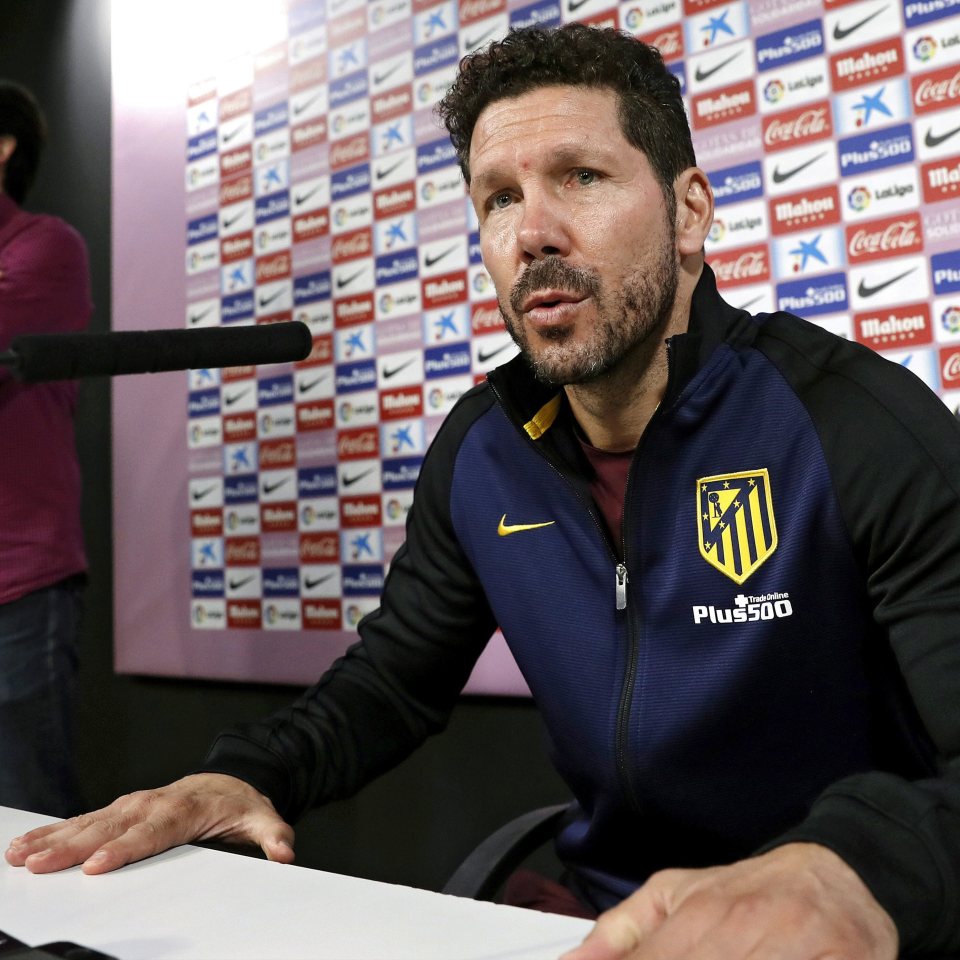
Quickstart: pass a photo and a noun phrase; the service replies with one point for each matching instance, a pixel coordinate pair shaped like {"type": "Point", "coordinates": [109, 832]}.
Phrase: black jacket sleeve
{"type": "Point", "coordinates": [400, 682]}
{"type": "Point", "coordinates": [893, 450]}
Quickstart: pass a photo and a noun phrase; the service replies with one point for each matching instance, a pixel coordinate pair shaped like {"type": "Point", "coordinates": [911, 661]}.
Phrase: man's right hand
{"type": "Point", "coordinates": [203, 806]}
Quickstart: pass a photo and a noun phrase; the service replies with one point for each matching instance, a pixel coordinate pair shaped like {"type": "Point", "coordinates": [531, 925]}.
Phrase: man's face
{"type": "Point", "coordinates": [574, 230]}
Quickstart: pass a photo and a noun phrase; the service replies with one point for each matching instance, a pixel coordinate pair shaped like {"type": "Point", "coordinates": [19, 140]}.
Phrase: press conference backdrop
{"type": "Point", "coordinates": [312, 182]}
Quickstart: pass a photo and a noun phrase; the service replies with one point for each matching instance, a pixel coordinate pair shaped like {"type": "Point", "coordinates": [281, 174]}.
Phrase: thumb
{"type": "Point", "coordinates": [274, 836]}
{"type": "Point", "coordinates": [619, 931]}
{"type": "Point", "coordinates": [613, 937]}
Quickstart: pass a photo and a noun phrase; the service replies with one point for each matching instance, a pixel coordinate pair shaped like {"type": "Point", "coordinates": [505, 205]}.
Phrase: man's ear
{"type": "Point", "coordinates": [8, 143]}
{"type": "Point", "coordinates": [694, 210]}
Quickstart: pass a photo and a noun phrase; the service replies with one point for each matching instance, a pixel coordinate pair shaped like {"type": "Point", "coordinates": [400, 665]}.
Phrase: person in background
{"type": "Point", "coordinates": [44, 288]}
{"type": "Point", "coordinates": [724, 550]}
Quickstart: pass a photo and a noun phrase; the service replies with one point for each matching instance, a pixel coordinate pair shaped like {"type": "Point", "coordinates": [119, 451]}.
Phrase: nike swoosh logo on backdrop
{"type": "Point", "coordinates": [706, 74]}
{"type": "Point", "coordinates": [780, 177]}
{"type": "Point", "coordinates": [866, 291]}
{"type": "Point", "coordinates": [934, 139]}
{"type": "Point", "coordinates": [841, 33]}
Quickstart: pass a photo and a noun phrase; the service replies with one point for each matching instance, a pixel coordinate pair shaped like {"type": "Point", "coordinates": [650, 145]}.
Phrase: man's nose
{"type": "Point", "coordinates": [543, 230]}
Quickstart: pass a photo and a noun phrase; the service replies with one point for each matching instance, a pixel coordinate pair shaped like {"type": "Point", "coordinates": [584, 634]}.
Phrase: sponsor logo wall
{"type": "Point", "coordinates": [319, 187]}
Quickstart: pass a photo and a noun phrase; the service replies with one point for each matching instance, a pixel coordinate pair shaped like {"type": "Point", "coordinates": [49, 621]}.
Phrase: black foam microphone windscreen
{"type": "Point", "coordinates": [68, 356]}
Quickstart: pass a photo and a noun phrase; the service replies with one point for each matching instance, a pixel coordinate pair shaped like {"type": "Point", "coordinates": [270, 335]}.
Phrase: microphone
{"type": "Point", "coordinates": [67, 356]}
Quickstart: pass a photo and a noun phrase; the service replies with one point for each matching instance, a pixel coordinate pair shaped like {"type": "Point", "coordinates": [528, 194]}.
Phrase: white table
{"type": "Point", "coordinates": [196, 903]}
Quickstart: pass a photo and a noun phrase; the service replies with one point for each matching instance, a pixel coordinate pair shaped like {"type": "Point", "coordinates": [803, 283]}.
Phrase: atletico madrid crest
{"type": "Point", "coordinates": [737, 529]}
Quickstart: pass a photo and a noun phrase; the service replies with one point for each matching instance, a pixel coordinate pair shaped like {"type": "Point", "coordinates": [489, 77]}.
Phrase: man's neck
{"type": "Point", "coordinates": [614, 410]}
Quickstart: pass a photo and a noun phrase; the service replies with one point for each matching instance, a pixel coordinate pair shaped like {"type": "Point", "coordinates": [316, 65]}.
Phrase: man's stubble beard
{"type": "Point", "coordinates": [624, 319]}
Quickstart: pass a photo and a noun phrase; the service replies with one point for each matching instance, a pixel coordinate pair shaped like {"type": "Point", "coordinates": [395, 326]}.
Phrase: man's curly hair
{"type": "Point", "coordinates": [650, 105]}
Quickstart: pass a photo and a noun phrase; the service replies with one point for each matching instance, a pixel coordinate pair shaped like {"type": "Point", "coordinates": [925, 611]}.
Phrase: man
{"type": "Point", "coordinates": [44, 288]}
{"type": "Point", "coordinates": [724, 549]}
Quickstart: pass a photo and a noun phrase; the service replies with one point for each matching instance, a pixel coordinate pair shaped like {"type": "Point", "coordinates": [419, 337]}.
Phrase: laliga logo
{"type": "Point", "coordinates": [340, 216]}
{"type": "Point", "coordinates": [428, 191]}
{"type": "Point", "coordinates": [924, 48]}
{"type": "Point", "coordinates": [233, 520]}
{"type": "Point", "coordinates": [950, 320]}
{"type": "Point", "coordinates": [717, 231]}
{"type": "Point", "coordinates": [773, 91]}
{"type": "Point", "coordinates": [634, 18]}
{"type": "Point", "coordinates": [386, 303]}
{"type": "Point", "coordinates": [263, 151]}
{"type": "Point", "coordinates": [436, 398]}
{"type": "Point", "coordinates": [271, 614]}
{"type": "Point", "coordinates": [424, 91]}
{"type": "Point", "coordinates": [338, 122]}
{"type": "Point", "coordinates": [346, 410]}
{"type": "Point", "coordinates": [263, 239]}
{"type": "Point", "coordinates": [197, 433]}
{"type": "Point", "coordinates": [481, 282]}
{"type": "Point", "coordinates": [376, 15]}
{"type": "Point", "coordinates": [308, 515]}
{"type": "Point", "coordinates": [266, 423]}
{"type": "Point", "coordinates": [394, 509]}
{"type": "Point", "coordinates": [354, 615]}
{"type": "Point", "coordinates": [858, 199]}
{"type": "Point", "coordinates": [199, 614]}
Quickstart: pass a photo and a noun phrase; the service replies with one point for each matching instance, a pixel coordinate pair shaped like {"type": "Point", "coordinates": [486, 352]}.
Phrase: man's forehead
{"type": "Point", "coordinates": [548, 110]}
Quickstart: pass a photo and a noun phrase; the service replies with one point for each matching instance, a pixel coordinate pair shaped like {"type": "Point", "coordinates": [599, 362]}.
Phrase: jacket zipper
{"type": "Point", "coordinates": [622, 579]}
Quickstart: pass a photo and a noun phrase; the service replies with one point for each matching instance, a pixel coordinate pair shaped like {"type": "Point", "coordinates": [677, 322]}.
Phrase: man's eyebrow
{"type": "Point", "coordinates": [582, 153]}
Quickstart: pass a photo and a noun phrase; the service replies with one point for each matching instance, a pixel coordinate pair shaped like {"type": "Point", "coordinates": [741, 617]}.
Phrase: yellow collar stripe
{"type": "Point", "coordinates": [543, 419]}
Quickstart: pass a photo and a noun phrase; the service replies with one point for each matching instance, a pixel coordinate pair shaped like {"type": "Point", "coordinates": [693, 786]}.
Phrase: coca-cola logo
{"type": "Point", "coordinates": [359, 443]}
{"type": "Point", "coordinates": [810, 124]}
{"type": "Point", "coordinates": [884, 239]}
{"type": "Point", "coordinates": [351, 245]}
{"type": "Point", "coordinates": [669, 43]}
{"type": "Point", "coordinates": [931, 92]}
{"type": "Point", "coordinates": [744, 266]}
{"type": "Point", "coordinates": [951, 368]}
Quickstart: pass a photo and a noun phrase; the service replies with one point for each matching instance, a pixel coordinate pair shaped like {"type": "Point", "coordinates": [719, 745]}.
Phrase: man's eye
{"type": "Point", "coordinates": [500, 200]}
{"type": "Point", "coordinates": [585, 177]}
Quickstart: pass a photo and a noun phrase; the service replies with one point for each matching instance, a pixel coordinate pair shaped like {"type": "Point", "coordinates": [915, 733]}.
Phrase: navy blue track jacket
{"type": "Point", "coordinates": [777, 657]}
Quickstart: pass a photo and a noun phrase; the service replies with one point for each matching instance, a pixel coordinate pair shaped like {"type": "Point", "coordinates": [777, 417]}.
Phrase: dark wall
{"type": "Point", "coordinates": [415, 823]}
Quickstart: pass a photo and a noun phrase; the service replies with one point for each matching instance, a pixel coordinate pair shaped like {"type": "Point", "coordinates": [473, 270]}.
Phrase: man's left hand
{"type": "Point", "coordinates": [797, 902]}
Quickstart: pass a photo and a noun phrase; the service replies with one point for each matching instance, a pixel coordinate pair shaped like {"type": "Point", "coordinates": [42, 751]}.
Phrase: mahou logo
{"type": "Point", "coordinates": [891, 237]}
{"type": "Point", "coordinates": [746, 265]}
{"type": "Point", "coordinates": [895, 328]}
{"type": "Point", "coordinates": [795, 126]}
{"type": "Point", "coordinates": [936, 90]}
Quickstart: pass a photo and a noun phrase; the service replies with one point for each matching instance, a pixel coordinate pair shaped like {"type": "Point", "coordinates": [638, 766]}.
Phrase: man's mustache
{"type": "Point", "coordinates": [552, 273]}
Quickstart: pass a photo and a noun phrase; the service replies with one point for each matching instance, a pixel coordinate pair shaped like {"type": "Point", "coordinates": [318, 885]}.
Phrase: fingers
{"type": "Point", "coordinates": [131, 828]}
{"type": "Point", "coordinates": [199, 807]}
{"type": "Point", "coordinates": [619, 931]}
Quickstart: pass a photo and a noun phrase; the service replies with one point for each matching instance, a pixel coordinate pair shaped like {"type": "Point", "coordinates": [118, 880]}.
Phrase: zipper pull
{"type": "Point", "coordinates": [621, 586]}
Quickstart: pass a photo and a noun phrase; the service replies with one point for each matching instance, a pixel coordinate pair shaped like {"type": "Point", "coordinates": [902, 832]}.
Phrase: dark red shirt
{"type": "Point", "coordinates": [609, 486]}
{"type": "Point", "coordinates": [44, 288]}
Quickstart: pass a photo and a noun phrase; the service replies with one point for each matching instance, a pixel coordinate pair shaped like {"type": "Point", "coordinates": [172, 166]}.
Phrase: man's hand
{"type": "Point", "coordinates": [798, 902]}
{"type": "Point", "coordinates": [204, 806]}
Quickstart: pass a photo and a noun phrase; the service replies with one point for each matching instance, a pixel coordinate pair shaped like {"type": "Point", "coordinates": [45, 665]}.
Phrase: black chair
{"type": "Point", "coordinates": [486, 869]}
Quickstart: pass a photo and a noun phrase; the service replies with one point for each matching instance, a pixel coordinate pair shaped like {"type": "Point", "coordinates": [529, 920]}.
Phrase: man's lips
{"type": "Point", "coordinates": [550, 300]}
